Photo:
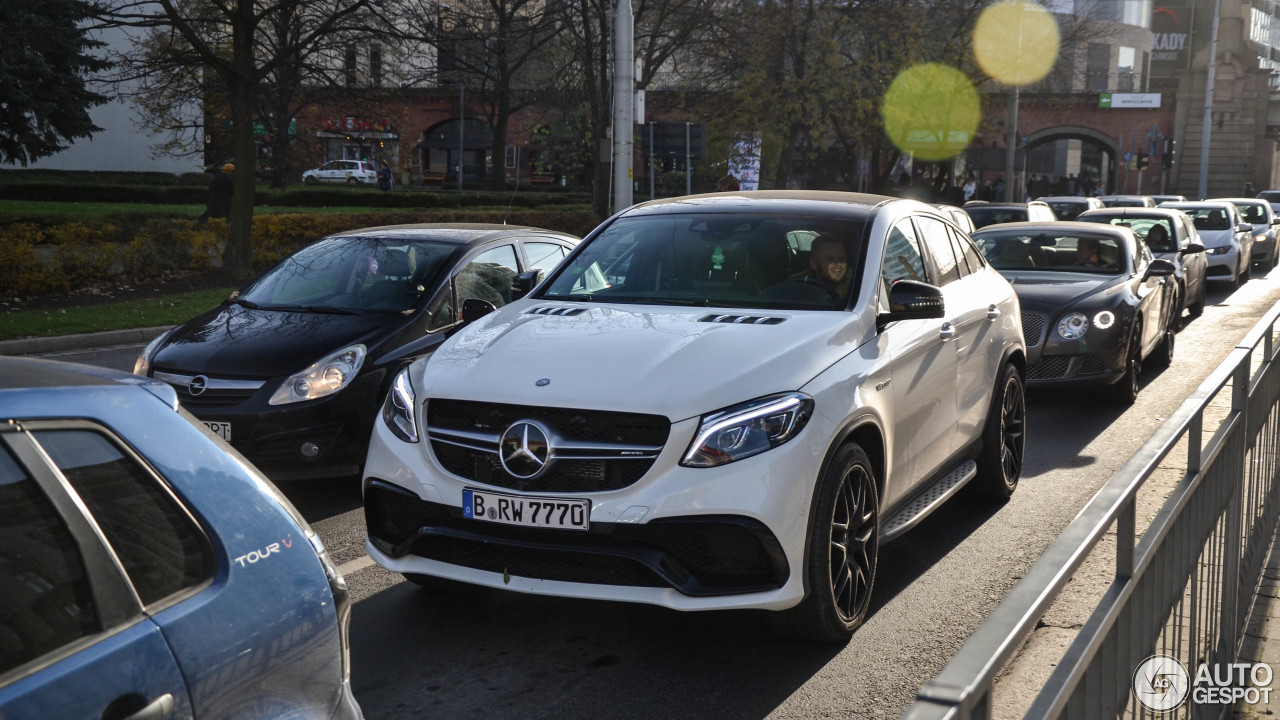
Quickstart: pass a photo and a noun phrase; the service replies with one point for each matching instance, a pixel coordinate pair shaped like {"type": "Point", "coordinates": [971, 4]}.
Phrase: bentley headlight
{"type": "Point", "coordinates": [397, 410]}
{"type": "Point", "coordinates": [1073, 326]}
{"type": "Point", "coordinates": [748, 429]}
{"type": "Point", "coordinates": [323, 378]}
{"type": "Point", "coordinates": [1104, 319]}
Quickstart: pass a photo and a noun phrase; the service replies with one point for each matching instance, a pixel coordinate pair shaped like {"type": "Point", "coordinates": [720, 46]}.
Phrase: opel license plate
{"type": "Point", "coordinates": [560, 513]}
{"type": "Point", "coordinates": [221, 429]}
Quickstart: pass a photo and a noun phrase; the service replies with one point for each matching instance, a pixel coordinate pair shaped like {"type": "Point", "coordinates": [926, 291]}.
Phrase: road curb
{"type": "Point", "coordinates": [81, 341]}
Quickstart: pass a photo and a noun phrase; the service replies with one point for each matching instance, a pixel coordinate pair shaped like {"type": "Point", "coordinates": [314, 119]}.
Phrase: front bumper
{"type": "Point", "coordinates": [684, 538]}
{"type": "Point", "coordinates": [322, 438]}
{"type": "Point", "coordinates": [1223, 267]}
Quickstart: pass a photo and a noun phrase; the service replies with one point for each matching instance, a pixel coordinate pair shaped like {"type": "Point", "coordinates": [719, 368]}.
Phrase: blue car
{"type": "Point", "coordinates": [146, 570]}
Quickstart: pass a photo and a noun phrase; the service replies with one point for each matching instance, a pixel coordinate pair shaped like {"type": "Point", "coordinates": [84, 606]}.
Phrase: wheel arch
{"type": "Point", "coordinates": [866, 431]}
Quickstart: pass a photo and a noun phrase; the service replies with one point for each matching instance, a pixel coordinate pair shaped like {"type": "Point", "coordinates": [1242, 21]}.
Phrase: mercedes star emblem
{"type": "Point", "coordinates": [198, 385]}
{"type": "Point", "coordinates": [525, 449]}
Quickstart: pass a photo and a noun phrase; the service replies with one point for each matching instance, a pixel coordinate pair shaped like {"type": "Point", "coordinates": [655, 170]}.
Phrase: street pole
{"type": "Point", "coordinates": [1011, 146]}
{"type": "Point", "coordinates": [624, 68]}
{"type": "Point", "coordinates": [1203, 187]}
{"type": "Point", "coordinates": [688, 162]}
{"type": "Point", "coordinates": [651, 161]}
{"type": "Point", "coordinates": [462, 116]}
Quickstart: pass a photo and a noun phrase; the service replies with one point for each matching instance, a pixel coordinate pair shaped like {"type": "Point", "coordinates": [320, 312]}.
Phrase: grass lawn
{"type": "Point", "coordinates": [123, 315]}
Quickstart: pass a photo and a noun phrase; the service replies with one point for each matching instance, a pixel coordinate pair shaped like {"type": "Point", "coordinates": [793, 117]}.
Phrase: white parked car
{"type": "Point", "coordinates": [719, 401]}
{"type": "Point", "coordinates": [1225, 235]}
{"type": "Point", "coordinates": [1259, 214]}
{"type": "Point", "coordinates": [354, 172]}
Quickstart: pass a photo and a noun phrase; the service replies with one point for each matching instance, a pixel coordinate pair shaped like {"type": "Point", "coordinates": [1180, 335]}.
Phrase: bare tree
{"type": "Point", "coordinates": [225, 40]}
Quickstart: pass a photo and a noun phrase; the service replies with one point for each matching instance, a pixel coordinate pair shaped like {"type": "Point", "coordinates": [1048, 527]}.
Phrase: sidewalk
{"type": "Point", "coordinates": [82, 341]}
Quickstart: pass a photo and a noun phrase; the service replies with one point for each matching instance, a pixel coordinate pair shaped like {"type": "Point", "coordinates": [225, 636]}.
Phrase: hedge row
{"type": "Point", "coordinates": [35, 260]}
{"type": "Point", "coordinates": [307, 197]}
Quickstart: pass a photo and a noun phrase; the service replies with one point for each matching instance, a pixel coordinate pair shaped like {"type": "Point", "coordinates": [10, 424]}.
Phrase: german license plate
{"type": "Point", "coordinates": [221, 429]}
{"type": "Point", "coordinates": [559, 513]}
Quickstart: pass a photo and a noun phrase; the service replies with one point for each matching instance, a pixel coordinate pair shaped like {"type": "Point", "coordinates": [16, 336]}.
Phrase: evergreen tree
{"type": "Point", "coordinates": [46, 59]}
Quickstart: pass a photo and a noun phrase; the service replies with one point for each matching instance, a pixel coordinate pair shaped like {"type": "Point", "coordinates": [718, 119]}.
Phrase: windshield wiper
{"type": "Point", "coordinates": [313, 309]}
{"type": "Point", "coordinates": [246, 303]}
{"type": "Point", "coordinates": [687, 302]}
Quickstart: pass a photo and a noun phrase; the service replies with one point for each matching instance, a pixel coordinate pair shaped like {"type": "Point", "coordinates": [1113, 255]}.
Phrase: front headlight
{"type": "Point", "coordinates": [748, 429]}
{"type": "Point", "coordinates": [1073, 326]}
{"type": "Point", "coordinates": [1220, 250]}
{"type": "Point", "coordinates": [397, 409]}
{"type": "Point", "coordinates": [323, 378]}
{"type": "Point", "coordinates": [142, 365]}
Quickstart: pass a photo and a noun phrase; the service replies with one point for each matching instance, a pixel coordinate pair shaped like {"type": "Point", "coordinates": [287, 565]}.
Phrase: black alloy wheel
{"type": "Point", "coordinates": [1197, 308]}
{"type": "Point", "coordinates": [1126, 388]}
{"type": "Point", "coordinates": [1004, 438]}
{"type": "Point", "coordinates": [844, 539]}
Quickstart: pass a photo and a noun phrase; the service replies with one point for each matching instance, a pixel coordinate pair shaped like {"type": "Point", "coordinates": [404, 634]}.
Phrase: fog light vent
{"type": "Point", "coordinates": [309, 449]}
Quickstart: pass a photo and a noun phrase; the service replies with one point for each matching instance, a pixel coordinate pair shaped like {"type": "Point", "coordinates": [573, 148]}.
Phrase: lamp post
{"type": "Point", "coordinates": [1202, 187]}
{"type": "Point", "coordinates": [462, 118]}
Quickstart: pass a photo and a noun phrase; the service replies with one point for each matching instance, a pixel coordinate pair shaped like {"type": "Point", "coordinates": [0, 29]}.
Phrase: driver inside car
{"type": "Point", "coordinates": [826, 280]}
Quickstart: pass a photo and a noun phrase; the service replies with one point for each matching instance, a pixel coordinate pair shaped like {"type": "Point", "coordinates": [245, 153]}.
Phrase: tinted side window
{"type": "Point", "coordinates": [902, 259]}
{"type": "Point", "coordinates": [543, 256]}
{"type": "Point", "coordinates": [45, 602]}
{"type": "Point", "coordinates": [964, 249]}
{"type": "Point", "coordinates": [159, 545]}
{"type": "Point", "coordinates": [939, 244]}
{"type": "Point", "coordinates": [488, 276]}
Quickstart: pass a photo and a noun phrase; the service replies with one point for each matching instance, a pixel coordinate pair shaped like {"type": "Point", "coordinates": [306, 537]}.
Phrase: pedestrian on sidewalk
{"type": "Point", "coordinates": [220, 189]}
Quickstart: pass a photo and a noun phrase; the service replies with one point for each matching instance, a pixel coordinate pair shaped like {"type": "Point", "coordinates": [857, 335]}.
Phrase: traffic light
{"type": "Point", "coordinates": [1142, 160]}
{"type": "Point", "coordinates": [1166, 158]}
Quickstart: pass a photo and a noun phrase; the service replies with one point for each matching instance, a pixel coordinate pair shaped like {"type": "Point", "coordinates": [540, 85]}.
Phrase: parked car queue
{"type": "Point", "coordinates": [510, 458]}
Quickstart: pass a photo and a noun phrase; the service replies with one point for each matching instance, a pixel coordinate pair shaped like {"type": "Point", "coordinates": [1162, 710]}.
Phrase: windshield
{"type": "Point", "coordinates": [1252, 213]}
{"type": "Point", "coordinates": [1208, 218]}
{"type": "Point", "coordinates": [984, 216]}
{"type": "Point", "coordinates": [1155, 231]}
{"type": "Point", "coordinates": [352, 274]}
{"type": "Point", "coordinates": [1074, 253]}
{"type": "Point", "coordinates": [1068, 209]}
{"type": "Point", "coordinates": [717, 260]}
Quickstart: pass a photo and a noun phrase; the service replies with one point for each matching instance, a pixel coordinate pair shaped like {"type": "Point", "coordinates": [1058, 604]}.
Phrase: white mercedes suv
{"type": "Point", "coordinates": [719, 401]}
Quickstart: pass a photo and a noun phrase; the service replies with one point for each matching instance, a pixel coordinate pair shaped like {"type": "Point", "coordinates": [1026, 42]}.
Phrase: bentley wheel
{"type": "Point", "coordinates": [1126, 388]}
{"type": "Point", "coordinates": [1004, 438]}
{"type": "Point", "coordinates": [843, 548]}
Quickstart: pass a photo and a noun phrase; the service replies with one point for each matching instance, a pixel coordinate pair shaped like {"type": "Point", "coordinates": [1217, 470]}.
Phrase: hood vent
{"type": "Point", "coordinates": [561, 311]}
{"type": "Point", "coordinates": [743, 319]}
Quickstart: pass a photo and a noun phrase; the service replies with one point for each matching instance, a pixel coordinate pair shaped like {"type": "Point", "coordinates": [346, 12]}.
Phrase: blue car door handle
{"type": "Point", "coordinates": [154, 710]}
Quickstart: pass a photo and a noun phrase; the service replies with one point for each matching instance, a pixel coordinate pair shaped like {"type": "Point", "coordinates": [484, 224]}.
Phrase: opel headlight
{"type": "Point", "coordinates": [323, 378]}
{"type": "Point", "coordinates": [397, 410]}
{"type": "Point", "coordinates": [748, 429]}
{"type": "Point", "coordinates": [1073, 326]}
{"type": "Point", "coordinates": [142, 365]}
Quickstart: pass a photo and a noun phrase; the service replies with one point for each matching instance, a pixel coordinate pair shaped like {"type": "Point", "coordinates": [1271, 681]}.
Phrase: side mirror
{"type": "Point", "coordinates": [474, 308]}
{"type": "Point", "coordinates": [1160, 268]}
{"type": "Point", "coordinates": [1192, 249]}
{"type": "Point", "coordinates": [525, 282]}
{"type": "Point", "coordinates": [911, 300]}
{"type": "Point", "coordinates": [1245, 228]}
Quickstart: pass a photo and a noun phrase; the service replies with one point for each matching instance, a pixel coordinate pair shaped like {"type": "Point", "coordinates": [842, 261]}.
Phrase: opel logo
{"type": "Point", "coordinates": [198, 385]}
{"type": "Point", "coordinates": [525, 449]}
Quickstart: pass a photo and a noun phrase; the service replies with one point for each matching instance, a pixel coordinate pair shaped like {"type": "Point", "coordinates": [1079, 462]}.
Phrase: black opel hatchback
{"type": "Point", "coordinates": [291, 370]}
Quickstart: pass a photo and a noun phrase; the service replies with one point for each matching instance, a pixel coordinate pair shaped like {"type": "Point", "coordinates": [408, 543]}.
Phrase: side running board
{"type": "Point", "coordinates": [927, 501]}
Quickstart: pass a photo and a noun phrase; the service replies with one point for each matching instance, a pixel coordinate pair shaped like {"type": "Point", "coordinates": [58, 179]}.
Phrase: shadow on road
{"type": "Point", "coordinates": [508, 655]}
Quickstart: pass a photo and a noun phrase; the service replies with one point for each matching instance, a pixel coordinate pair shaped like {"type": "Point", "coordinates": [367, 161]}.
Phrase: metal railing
{"type": "Point", "coordinates": [1182, 587]}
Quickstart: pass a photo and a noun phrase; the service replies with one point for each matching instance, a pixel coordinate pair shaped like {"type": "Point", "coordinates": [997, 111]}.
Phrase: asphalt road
{"type": "Point", "coordinates": [416, 655]}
